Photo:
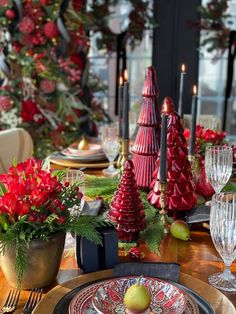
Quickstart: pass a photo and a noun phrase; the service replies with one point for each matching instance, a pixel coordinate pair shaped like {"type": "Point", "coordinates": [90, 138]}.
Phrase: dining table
{"type": "Point", "coordinates": [197, 258]}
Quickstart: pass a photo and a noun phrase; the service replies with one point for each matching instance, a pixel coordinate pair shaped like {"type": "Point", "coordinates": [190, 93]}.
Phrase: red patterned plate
{"type": "Point", "coordinates": [165, 297]}
{"type": "Point", "coordinates": [82, 301]}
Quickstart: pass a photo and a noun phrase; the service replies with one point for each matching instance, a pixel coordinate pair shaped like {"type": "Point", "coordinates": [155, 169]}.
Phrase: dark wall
{"type": "Point", "coordinates": [176, 42]}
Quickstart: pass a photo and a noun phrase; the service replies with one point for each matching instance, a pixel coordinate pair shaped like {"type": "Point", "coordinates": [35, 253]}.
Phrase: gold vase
{"type": "Point", "coordinates": [43, 262]}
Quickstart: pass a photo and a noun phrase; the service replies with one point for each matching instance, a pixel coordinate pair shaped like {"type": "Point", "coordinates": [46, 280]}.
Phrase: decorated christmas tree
{"type": "Point", "coordinates": [180, 187]}
{"type": "Point", "coordinates": [126, 209]}
{"type": "Point", "coordinates": [146, 145]}
{"type": "Point", "coordinates": [45, 82]}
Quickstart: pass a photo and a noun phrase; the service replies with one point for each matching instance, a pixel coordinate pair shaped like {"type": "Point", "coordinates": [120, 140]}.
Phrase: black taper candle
{"type": "Point", "coordinates": [163, 148]}
{"type": "Point", "coordinates": [193, 122]}
{"type": "Point", "coordinates": [181, 91]}
{"type": "Point", "coordinates": [126, 111]}
{"type": "Point", "coordinates": [120, 105]}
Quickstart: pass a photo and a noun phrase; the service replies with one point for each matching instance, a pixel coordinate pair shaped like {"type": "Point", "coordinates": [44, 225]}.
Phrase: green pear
{"type": "Point", "coordinates": [180, 230]}
{"type": "Point", "coordinates": [137, 298]}
{"type": "Point", "coordinates": [83, 144]}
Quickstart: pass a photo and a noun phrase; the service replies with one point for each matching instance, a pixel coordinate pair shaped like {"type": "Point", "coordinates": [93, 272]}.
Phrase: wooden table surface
{"type": "Point", "coordinates": [197, 257]}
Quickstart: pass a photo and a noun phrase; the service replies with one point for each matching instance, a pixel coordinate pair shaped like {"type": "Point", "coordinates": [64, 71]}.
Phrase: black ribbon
{"type": "Point", "coordinates": [121, 56]}
{"type": "Point", "coordinates": [230, 73]}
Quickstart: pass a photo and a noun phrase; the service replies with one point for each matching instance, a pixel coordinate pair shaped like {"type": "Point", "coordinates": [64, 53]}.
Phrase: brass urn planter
{"type": "Point", "coordinates": [43, 262]}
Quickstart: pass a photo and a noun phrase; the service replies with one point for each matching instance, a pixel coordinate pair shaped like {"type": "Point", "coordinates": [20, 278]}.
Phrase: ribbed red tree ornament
{"type": "Point", "coordinates": [180, 187]}
{"type": "Point", "coordinates": [126, 208]}
{"type": "Point", "coordinates": [146, 145]}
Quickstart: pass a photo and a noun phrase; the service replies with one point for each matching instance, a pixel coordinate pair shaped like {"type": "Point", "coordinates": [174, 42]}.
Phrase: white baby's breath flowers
{"type": "Point", "coordinates": [10, 118]}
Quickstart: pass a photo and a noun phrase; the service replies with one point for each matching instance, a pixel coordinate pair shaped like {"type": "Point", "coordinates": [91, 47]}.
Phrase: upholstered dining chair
{"type": "Point", "coordinates": [15, 144]}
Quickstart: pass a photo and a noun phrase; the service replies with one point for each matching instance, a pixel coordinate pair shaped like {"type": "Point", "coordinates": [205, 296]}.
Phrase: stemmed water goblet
{"type": "Point", "coordinates": [223, 233]}
{"type": "Point", "coordinates": [218, 165]}
{"type": "Point", "coordinates": [110, 145]}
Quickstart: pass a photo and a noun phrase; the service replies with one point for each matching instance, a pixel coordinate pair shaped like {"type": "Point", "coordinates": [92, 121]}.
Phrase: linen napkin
{"type": "Point", "coordinates": [167, 271]}
{"type": "Point", "coordinates": [198, 214]}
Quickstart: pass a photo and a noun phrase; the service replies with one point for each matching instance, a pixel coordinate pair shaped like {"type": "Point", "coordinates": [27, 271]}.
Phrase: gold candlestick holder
{"type": "Point", "coordinates": [124, 153]}
{"type": "Point", "coordinates": [163, 211]}
{"type": "Point", "coordinates": [120, 154]}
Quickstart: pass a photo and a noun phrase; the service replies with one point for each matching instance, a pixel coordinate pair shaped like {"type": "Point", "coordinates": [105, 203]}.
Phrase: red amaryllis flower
{"type": "Point", "coordinates": [51, 30]}
{"type": "Point", "coordinates": [5, 103]}
{"type": "Point", "coordinates": [26, 25]}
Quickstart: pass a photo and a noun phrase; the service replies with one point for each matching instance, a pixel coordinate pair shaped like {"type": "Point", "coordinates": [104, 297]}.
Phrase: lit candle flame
{"type": "Point", "coordinates": [121, 81]}
{"type": "Point", "coordinates": [195, 90]}
{"type": "Point", "coordinates": [125, 75]}
{"type": "Point", "coordinates": [183, 68]}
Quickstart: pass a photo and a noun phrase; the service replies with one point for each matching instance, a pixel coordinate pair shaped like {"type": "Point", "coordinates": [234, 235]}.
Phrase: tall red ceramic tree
{"type": "Point", "coordinates": [146, 145]}
{"type": "Point", "coordinates": [180, 187]}
{"type": "Point", "coordinates": [126, 208]}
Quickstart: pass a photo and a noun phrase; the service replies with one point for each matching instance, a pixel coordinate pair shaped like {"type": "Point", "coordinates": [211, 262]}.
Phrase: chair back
{"type": "Point", "coordinates": [15, 144]}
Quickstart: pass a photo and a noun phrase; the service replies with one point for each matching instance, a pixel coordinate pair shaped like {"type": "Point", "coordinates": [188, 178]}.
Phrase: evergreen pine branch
{"type": "Point", "coordinates": [86, 226]}
{"type": "Point", "coordinates": [153, 235]}
{"type": "Point", "coordinates": [21, 261]}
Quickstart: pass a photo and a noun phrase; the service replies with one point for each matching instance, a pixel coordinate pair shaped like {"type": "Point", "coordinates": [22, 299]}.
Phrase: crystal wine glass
{"type": "Point", "coordinates": [110, 145]}
{"type": "Point", "coordinates": [223, 233]}
{"type": "Point", "coordinates": [218, 165]}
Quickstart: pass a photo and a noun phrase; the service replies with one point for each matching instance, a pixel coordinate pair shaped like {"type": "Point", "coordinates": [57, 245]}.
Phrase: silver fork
{"type": "Point", "coordinates": [11, 302]}
{"type": "Point", "coordinates": [34, 297]}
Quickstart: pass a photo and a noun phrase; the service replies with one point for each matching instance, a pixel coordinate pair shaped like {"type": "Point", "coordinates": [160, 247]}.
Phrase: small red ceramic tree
{"type": "Point", "coordinates": [146, 145]}
{"type": "Point", "coordinates": [126, 208]}
{"type": "Point", "coordinates": [180, 187]}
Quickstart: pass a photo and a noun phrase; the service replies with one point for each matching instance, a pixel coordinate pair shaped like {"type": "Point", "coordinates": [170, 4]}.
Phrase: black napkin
{"type": "Point", "coordinates": [92, 208]}
{"type": "Point", "coordinates": [167, 271]}
{"type": "Point", "coordinates": [198, 214]}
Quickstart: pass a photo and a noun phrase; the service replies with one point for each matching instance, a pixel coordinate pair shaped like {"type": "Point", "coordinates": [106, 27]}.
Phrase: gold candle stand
{"type": "Point", "coordinates": [124, 153]}
{"type": "Point", "coordinates": [120, 154]}
{"type": "Point", "coordinates": [163, 211]}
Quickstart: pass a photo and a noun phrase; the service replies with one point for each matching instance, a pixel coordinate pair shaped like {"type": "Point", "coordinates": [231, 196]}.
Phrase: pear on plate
{"type": "Point", "coordinates": [83, 144]}
{"type": "Point", "coordinates": [137, 299]}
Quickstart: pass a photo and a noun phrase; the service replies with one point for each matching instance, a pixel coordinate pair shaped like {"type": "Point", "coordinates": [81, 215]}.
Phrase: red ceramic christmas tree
{"type": "Point", "coordinates": [180, 187]}
{"type": "Point", "coordinates": [126, 208]}
{"type": "Point", "coordinates": [146, 145]}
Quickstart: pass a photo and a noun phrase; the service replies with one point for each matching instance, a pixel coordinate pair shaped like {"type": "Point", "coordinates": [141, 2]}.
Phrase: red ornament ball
{"type": "Point", "coordinates": [45, 2]}
{"type": "Point", "coordinates": [78, 4]}
{"type": "Point", "coordinates": [135, 253]}
{"type": "Point", "coordinates": [26, 25]}
{"type": "Point", "coordinates": [47, 86]}
{"type": "Point", "coordinates": [10, 14]}
{"type": "Point", "coordinates": [51, 30]}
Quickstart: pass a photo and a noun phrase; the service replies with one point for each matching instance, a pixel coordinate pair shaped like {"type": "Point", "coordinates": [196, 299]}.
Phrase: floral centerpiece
{"type": "Point", "coordinates": [204, 138]}
{"type": "Point", "coordinates": [34, 205]}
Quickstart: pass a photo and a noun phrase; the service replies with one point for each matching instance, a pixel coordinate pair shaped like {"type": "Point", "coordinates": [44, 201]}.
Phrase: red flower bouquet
{"type": "Point", "coordinates": [34, 204]}
{"type": "Point", "coordinates": [204, 138]}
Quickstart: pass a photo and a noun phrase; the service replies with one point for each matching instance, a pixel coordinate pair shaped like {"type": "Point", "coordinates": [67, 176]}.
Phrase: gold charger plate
{"type": "Point", "coordinates": [77, 164]}
{"type": "Point", "coordinates": [218, 300]}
